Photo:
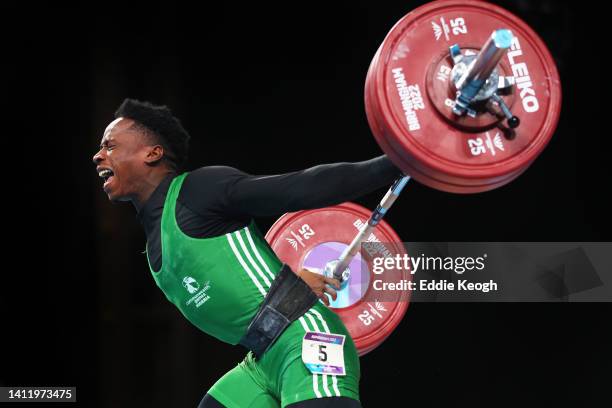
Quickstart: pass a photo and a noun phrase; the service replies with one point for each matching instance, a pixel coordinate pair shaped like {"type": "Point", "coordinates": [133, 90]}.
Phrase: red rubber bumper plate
{"type": "Point", "coordinates": [409, 95]}
{"type": "Point", "coordinates": [310, 239]}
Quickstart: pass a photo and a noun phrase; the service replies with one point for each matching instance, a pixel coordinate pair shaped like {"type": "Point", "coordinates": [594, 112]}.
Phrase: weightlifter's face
{"type": "Point", "coordinates": [120, 162]}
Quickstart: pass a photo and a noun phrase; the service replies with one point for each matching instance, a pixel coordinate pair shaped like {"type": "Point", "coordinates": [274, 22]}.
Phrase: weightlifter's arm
{"type": "Point", "coordinates": [319, 186]}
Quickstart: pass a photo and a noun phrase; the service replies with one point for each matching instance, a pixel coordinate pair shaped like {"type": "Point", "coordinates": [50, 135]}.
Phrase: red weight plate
{"type": "Point", "coordinates": [420, 137]}
{"type": "Point", "coordinates": [309, 239]}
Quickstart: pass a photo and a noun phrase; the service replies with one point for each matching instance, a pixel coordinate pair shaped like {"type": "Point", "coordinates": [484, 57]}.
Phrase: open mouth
{"type": "Point", "coordinates": [106, 175]}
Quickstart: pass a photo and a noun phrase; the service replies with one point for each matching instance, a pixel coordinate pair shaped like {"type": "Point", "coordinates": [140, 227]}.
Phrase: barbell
{"type": "Point", "coordinates": [462, 96]}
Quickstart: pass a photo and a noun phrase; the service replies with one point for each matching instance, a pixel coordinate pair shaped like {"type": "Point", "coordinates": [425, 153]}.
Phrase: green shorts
{"type": "Point", "coordinates": [280, 377]}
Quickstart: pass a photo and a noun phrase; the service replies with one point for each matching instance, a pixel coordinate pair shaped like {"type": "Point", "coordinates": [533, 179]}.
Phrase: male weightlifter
{"type": "Point", "coordinates": [210, 260]}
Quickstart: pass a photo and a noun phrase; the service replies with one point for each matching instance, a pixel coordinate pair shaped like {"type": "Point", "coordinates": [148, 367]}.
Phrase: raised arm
{"type": "Point", "coordinates": [315, 187]}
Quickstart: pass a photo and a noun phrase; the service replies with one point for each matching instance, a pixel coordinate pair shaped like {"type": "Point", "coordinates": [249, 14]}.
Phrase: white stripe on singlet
{"type": "Point", "coordinates": [258, 255]}
{"type": "Point", "coordinates": [250, 259]}
{"type": "Point", "coordinates": [244, 265]}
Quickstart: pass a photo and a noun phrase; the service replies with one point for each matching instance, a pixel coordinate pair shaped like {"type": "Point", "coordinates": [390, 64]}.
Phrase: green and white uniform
{"type": "Point", "coordinates": [218, 284]}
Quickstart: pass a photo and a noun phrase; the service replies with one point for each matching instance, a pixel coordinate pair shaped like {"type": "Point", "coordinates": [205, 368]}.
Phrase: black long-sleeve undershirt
{"type": "Point", "coordinates": [215, 200]}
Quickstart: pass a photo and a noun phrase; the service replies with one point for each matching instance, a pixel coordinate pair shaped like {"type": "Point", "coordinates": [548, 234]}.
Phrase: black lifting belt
{"type": "Point", "coordinates": [288, 299]}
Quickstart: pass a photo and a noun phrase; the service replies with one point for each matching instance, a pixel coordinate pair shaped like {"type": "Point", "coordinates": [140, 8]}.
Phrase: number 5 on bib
{"type": "Point", "coordinates": [323, 353]}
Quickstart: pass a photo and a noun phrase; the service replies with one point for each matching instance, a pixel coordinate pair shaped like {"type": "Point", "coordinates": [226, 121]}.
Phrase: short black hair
{"type": "Point", "coordinates": [159, 122]}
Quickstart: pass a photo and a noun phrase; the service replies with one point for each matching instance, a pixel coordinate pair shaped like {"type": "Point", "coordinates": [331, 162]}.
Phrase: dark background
{"type": "Point", "coordinates": [271, 88]}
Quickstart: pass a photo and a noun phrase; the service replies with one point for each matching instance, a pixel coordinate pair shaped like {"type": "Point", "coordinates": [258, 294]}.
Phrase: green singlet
{"type": "Point", "coordinates": [218, 284]}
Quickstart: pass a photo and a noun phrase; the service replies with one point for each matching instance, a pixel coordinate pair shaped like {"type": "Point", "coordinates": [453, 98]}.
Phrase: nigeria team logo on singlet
{"type": "Point", "coordinates": [190, 284]}
{"type": "Point", "coordinates": [200, 295]}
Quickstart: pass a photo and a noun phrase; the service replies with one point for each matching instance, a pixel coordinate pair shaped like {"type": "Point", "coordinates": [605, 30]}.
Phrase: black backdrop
{"type": "Point", "coordinates": [271, 88]}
